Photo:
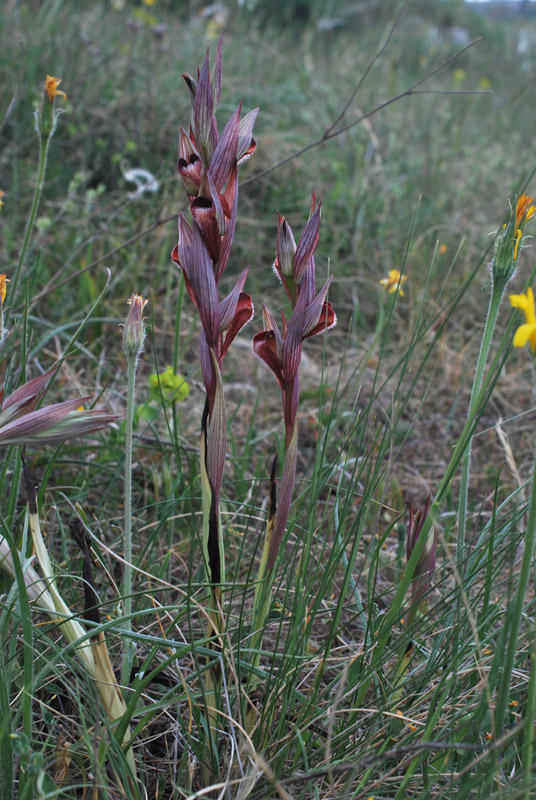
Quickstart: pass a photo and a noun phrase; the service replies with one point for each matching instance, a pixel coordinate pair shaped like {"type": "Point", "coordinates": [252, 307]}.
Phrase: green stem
{"type": "Point", "coordinates": [503, 691]}
{"type": "Point", "coordinates": [530, 713]}
{"type": "Point", "coordinates": [277, 522]}
{"type": "Point", "coordinates": [128, 644]}
{"type": "Point", "coordinates": [44, 143]}
{"type": "Point", "coordinates": [497, 292]}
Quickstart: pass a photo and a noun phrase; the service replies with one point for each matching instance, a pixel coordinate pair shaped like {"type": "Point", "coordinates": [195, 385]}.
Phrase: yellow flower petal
{"type": "Point", "coordinates": [519, 301]}
{"type": "Point", "coordinates": [2, 288]}
{"type": "Point", "coordinates": [525, 209]}
{"type": "Point", "coordinates": [517, 240]}
{"type": "Point", "coordinates": [525, 302]}
{"type": "Point", "coordinates": [523, 334]}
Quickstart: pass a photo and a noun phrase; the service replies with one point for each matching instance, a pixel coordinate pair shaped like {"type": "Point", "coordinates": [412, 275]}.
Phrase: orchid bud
{"type": "Point", "coordinates": [422, 578]}
{"type": "Point", "coordinates": [286, 247]}
{"type": "Point", "coordinates": [134, 328]}
{"type": "Point", "coordinates": [191, 83]}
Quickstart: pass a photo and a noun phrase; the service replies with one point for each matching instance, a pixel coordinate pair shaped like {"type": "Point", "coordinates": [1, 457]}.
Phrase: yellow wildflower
{"type": "Point", "coordinates": [2, 288]}
{"type": "Point", "coordinates": [527, 332]}
{"type": "Point", "coordinates": [509, 239]}
{"type": "Point", "coordinates": [51, 88]}
{"type": "Point", "coordinates": [525, 209]}
{"type": "Point", "coordinates": [394, 282]}
{"type": "Point", "coordinates": [443, 249]}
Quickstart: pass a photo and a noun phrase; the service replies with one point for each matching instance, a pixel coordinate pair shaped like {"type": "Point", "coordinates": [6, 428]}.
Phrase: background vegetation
{"type": "Point", "coordinates": [417, 186]}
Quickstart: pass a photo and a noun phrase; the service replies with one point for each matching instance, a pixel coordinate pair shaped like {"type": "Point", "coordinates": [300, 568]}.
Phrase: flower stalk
{"type": "Point", "coordinates": [507, 246]}
{"type": "Point", "coordinates": [517, 612]}
{"type": "Point", "coordinates": [45, 124]}
{"type": "Point", "coordinates": [133, 340]}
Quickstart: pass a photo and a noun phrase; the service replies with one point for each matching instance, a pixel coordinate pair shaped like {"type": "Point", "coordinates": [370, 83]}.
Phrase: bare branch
{"type": "Point", "coordinates": [367, 71]}
{"type": "Point", "coordinates": [406, 93]}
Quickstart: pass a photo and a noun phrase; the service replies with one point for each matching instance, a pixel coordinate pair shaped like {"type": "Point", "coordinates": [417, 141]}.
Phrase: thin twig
{"type": "Point", "coordinates": [406, 93]}
{"type": "Point", "coordinates": [453, 91]}
{"type": "Point", "coordinates": [387, 755]}
{"type": "Point", "coordinates": [364, 76]}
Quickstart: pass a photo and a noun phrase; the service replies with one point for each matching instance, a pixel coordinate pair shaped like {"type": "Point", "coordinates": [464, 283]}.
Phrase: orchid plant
{"type": "Point", "coordinates": [208, 165]}
{"type": "Point", "coordinates": [281, 350]}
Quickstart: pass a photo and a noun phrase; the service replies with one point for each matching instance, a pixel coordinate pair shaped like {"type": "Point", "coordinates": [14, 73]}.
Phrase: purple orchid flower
{"type": "Point", "coordinates": [281, 350]}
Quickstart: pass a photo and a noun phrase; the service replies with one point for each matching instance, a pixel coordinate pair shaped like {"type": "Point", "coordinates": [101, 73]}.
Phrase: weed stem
{"type": "Point", "coordinates": [516, 613]}
{"type": "Point", "coordinates": [44, 144]}
{"type": "Point", "coordinates": [497, 292]}
{"type": "Point", "coordinates": [128, 654]}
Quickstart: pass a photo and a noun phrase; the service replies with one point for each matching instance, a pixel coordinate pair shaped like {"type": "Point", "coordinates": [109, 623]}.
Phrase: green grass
{"type": "Point", "coordinates": [419, 186]}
